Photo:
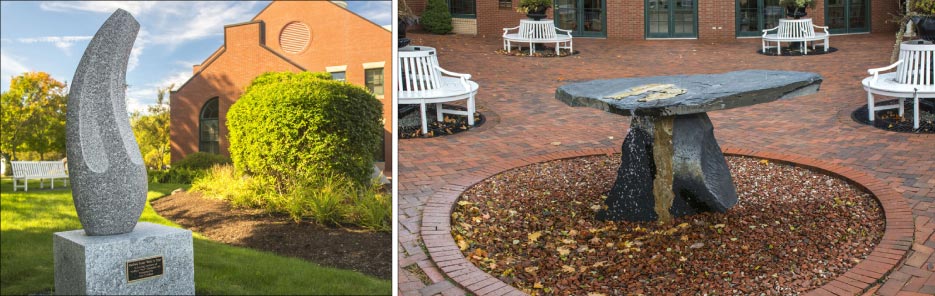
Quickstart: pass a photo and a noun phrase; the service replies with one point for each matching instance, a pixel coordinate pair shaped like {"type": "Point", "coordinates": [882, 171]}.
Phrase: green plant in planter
{"type": "Point", "coordinates": [533, 6]}
{"type": "Point", "coordinates": [924, 8]}
{"type": "Point", "coordinates": [796, 6]}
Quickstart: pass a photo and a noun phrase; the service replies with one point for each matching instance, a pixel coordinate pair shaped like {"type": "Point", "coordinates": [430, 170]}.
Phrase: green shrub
{"type": "Point", "coordinates": [328, 200]}
{"type": "Point", "coordinates": [175, 175]}
{"type": "Point", "coordinates": [224, 182]}
{"type": "Point", "coordinates": [437, 17]}
{"type": "Point", "coordinates": [201, 161]}
{"type": "Point", "coordinates": [373, 208]}
{"type": "Point", "coordinates": [924, 7]}
{"type": "Point", "coordinates": [288, 128]}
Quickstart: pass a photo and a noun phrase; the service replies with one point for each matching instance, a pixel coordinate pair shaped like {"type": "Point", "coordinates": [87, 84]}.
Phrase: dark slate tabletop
{"type": "Point", "coordinates": [688, 94]}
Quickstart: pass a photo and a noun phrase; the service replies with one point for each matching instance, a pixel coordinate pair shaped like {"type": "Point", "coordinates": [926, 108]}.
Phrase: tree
{"type": "Point", "coordinates": [152, 131]}
{"type": "Point", "coordinates": [33, 116]}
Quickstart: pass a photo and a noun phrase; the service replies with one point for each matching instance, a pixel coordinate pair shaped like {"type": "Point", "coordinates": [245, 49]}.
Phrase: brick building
{"type": "Point", "coordinates": [285, 36]}
{"type": "Point", "coordinates": [651, 19]}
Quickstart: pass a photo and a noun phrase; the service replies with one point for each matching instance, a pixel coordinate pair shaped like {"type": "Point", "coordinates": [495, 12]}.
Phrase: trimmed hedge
{"type": "Point", "coordinates": [291, 127]}
{"type": "Point", "coordinates": [437, 17]}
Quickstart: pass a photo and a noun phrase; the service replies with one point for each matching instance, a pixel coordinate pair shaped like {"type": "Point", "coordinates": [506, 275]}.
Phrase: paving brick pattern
{"type": "Point", "coordinates": [526, 124]}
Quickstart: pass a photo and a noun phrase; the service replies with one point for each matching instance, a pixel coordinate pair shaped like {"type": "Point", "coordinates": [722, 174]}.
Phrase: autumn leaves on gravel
{"type": "Point", "coordinates": [793, 230]}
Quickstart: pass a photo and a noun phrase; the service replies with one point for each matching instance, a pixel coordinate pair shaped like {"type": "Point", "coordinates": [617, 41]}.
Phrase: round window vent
{"type": "Point", "coordinates": [294, 37]}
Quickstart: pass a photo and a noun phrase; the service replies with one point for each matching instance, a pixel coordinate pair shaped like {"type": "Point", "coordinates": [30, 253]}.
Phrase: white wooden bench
{"type": "Point", "coordinates": [41, 170]}
{"type": "Point", "coordinates": [914, 77]}
{"type": "Point", "coordinates": [801, 30]}
{"type": "Point", "coordinates": [421, 81]}
{"type": "Point", "coordinates": [542, 31]}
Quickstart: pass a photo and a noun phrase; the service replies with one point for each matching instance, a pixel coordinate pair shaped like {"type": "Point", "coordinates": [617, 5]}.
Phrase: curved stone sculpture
{"type": "Point", "coordinates": [108, 177]}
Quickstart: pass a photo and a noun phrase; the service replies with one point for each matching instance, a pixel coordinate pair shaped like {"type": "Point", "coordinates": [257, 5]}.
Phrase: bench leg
{"type": "Point", "coordinates": [470, 110]}
{"type": "Point", "coordinates": [532, 48]}
{"type": "Point", "coordinates": [901, 108]}
{"type": "Point", "coordinates": [870, 108]}
{"type": "Point", "coordinates": [425, 127]}
{"type": "Point", "coordinates": [915, 111]}
{"type": "Point", "coordinates": [438, 112]}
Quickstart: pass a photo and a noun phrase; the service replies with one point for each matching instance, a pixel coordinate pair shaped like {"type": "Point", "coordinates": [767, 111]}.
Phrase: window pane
{"type": "Point", "coordinates": [374, 80]}
{"type": "Point", "coordinates": [208, 128]}
{"type": "Point", "coordinates": [462, 7]}
{"type": "Point", "coordinates": [339, 76]}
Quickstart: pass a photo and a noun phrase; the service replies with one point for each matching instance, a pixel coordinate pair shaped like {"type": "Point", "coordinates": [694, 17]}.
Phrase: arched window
{"type": "Point", "coordinates": [208, 127]}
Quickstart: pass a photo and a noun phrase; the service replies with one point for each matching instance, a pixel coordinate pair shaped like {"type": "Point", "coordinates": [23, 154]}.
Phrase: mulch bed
{"type": "Point", "coordinates": [346, 248]}
{"type": "Point", "coordinates": [410, 122]}
{"type": "Point", "coordinates": [891, 121]}
{"type": "Point", "coordinates": [793, 230]}
{"type": "Point", "coordinates": [790, 51]}
{"type": "Point", "coordinates": [541, 52]}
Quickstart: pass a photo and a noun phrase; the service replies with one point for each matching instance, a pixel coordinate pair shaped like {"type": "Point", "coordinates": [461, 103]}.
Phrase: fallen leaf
{"type": "Point", "coordinates": [568, 269]}
{"type": "Point", "coordinates": [531, 269]}
{"type": "Point", "coordinates": [563, 251]}
{"type": "Point", "coordinates": [696, 245]}
{"type": "Point", "coordinates": [534, 236]}
{"type": "Point", "coordinates": [537, 285]}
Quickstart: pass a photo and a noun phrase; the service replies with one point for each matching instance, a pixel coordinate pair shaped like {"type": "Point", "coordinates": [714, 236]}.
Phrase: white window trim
{"type": "Point", "coordinates": [332, 69]}
{"type": "Point", "coordinates": [374, 65]}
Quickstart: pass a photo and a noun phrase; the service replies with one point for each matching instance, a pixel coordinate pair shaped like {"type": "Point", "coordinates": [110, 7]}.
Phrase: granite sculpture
{"type": "Point", "coordinates": [108, 177]}
{"type": "Point", "coordinates": [671, 163]}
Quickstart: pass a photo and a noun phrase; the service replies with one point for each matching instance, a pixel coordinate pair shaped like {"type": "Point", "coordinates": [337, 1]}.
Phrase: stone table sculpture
{"type": "Point", "coordinates": [113, 254]}
{"type": "Point", "coordinates": [671, 164]}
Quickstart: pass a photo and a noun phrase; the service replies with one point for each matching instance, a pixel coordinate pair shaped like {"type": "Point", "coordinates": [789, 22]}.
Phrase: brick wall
{"type": "Point", "coordinates": [253, 48]}
{"type": "Point", "coordinates": [626, 18]}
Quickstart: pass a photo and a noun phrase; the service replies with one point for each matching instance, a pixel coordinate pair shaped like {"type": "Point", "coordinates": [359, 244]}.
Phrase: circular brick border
{"type": "Point", "coordinates": [886, 256]}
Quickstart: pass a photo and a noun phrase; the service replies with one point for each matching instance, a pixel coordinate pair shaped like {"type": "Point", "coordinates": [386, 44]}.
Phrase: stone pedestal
{"type": "Point", "coordinates": [152, 259]}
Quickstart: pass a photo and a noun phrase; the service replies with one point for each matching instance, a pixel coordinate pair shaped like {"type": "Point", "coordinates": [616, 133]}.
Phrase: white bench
{"type": "Point", "coordinates": [25, 170]}
{"type": "Point", "coordinates": [421, 81]}
{"type": "Point", "coordinates": [542, 31]}
{"type": "Point", "coordinates": [801, 30]}
{"type": "Point", "coordinates": [913, 78]}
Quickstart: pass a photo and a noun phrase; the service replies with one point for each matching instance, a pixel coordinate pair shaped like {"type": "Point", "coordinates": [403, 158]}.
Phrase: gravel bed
{"type": "Point", "coordinates": [793, 230]}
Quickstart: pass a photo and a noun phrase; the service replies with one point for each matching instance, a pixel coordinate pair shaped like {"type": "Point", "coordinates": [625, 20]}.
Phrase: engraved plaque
{"type": "Point", "coordinates": [144, 268]}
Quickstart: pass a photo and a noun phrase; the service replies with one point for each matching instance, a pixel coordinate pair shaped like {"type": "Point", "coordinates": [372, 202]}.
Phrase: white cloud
{"type": "Point", "coordinates": [203, 19]}
{"type": "Point", "coordinates": [9, 67]}
{"type": "Point", "coordinates": [134, 7]}
{"type": "Point", "coordinates": [61, 42]}
{"type": "Point", "coordinates": [379, 12]}
{"type": "Point", "coordinates": [142, 39]}
{"type": "Point", "coordinates": [140, 97]}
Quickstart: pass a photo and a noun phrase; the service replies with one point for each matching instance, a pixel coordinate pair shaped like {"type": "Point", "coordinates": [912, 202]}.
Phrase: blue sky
{"type": "Point", "coordinates": [174, 35]}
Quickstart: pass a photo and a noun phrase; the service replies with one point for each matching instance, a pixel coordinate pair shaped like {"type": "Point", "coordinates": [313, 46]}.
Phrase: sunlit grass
{"type": "Point", "coordinates": [28, 220]}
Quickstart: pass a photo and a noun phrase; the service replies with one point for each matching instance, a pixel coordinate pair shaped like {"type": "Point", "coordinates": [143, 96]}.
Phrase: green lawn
{"type": "Point", "coordinates": [27, 221]}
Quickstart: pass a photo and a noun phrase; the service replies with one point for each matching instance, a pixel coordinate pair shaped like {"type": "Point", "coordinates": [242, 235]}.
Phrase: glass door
{"type": "Point", "coordinates": [585, 18]}
{"type": "Point", "coordinates": [847, 16]}
{"type": "Point", "coordinates": [754, 16]}
{"type": "Point", "coordinates": [671, 19]}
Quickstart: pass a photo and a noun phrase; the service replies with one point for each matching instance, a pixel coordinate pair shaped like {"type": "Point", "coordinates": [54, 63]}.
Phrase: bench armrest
{"type": "Point", "coordinates": [464, 77]}
{"type": "Point", "coordinates": [767, 31]}
{"type": "Point", "coordinates": [507, 30]}
{"type": "Point", "coordinates": [825, 28]}
{"type": "Point", "coordinates": [876, 71]}
{"type": "Point", "coordinates": [563, 30]}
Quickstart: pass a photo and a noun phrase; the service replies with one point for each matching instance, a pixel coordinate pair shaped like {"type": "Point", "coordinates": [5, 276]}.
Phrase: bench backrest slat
{"type": "Point", "coordinates": [38, 169]}
{"type": "Point", "coordinates": [418, 70]}
{"type": "Point", "coordinates": [801, 28]}
{"type": "Point", "coordinates": [537, 30]}
{"type": "Point", "coordinates": [917, 66]}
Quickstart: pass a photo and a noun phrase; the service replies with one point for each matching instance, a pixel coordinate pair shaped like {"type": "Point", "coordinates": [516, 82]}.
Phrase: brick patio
{"type": "Point", "coordinates": [526, 124]}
